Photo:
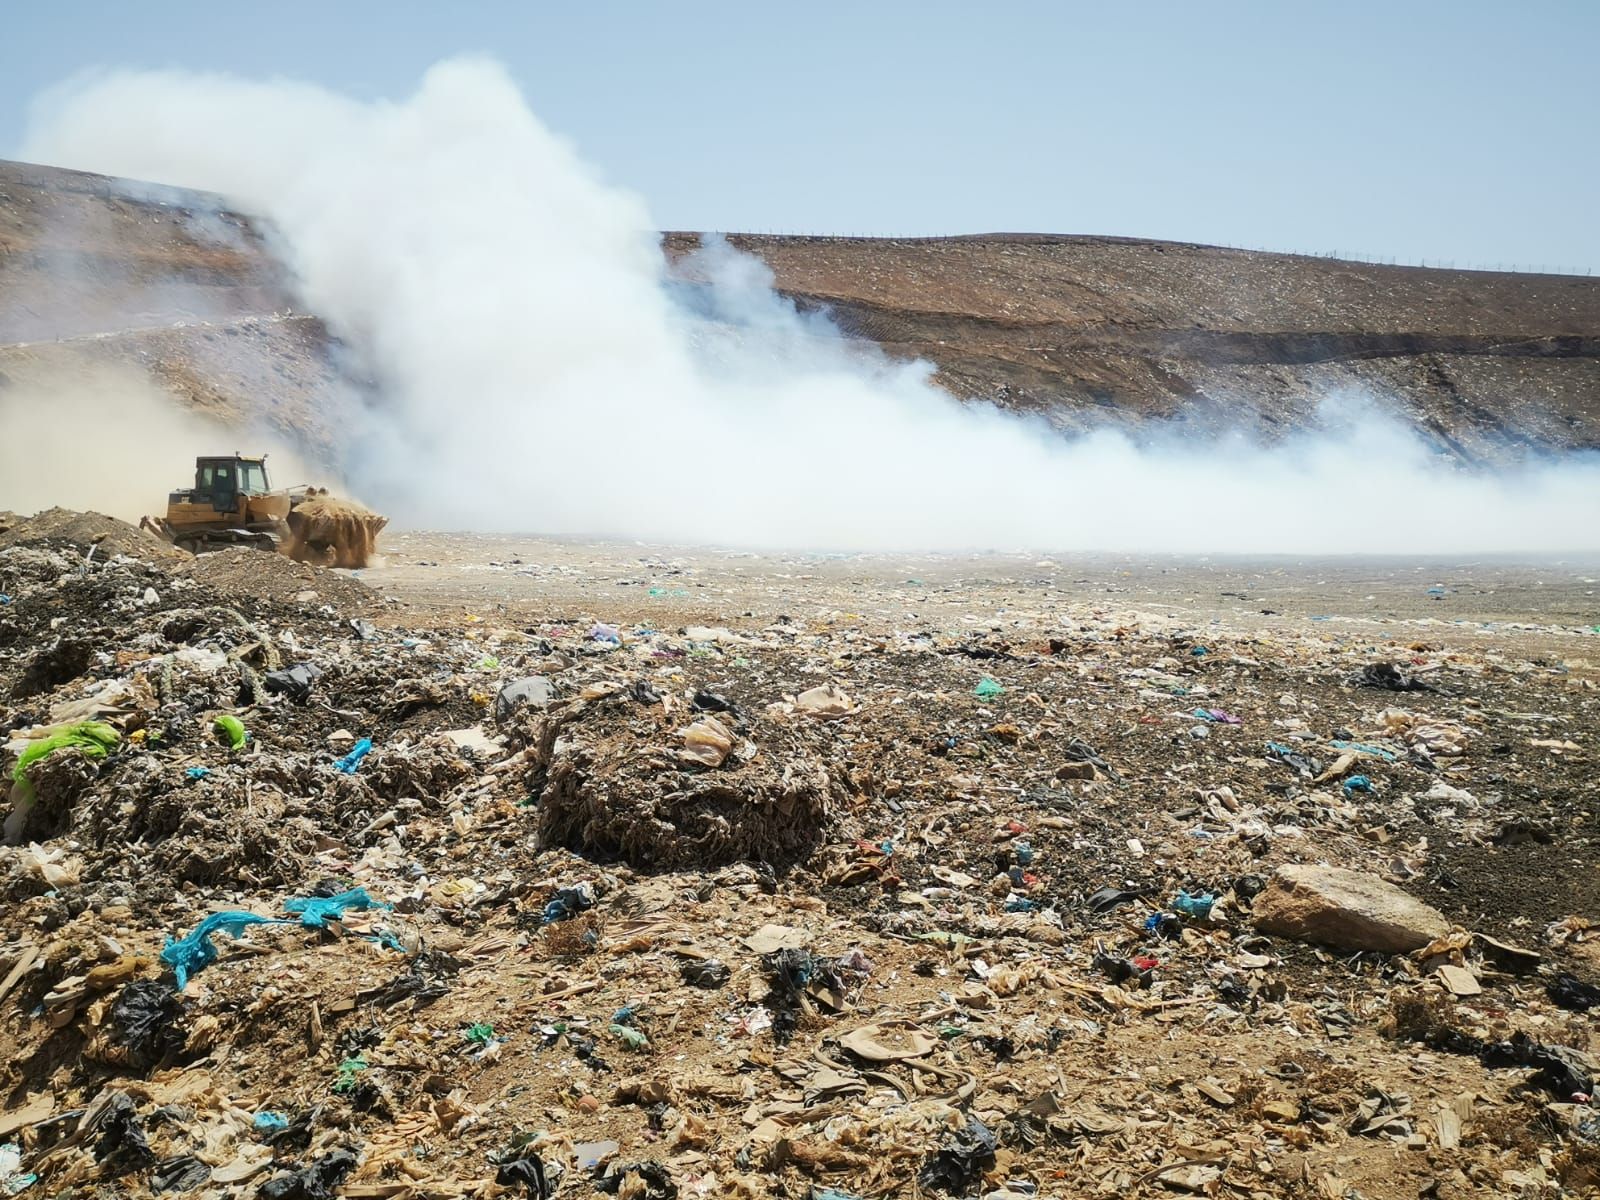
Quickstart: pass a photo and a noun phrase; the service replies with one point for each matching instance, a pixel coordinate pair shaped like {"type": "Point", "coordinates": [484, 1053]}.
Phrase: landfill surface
{"type": "Point", "coordinates": [525, 868]}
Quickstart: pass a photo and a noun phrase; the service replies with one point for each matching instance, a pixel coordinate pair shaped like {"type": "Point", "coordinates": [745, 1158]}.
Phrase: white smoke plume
{"type": "Point", "coordinates": [541, 370]}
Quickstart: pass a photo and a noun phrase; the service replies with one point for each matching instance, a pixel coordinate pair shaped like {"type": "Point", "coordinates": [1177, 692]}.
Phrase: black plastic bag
{"type": "Point", "coordinates": [529, 1172]}
{"type": "Point", "coordinates": [962, 1160]}
{"type": "Point", "coordinates": [145, 1017]}
{"type": "Point", "coordinates": [1390, 678]}
{"type": "Point", "coordinates": [180, 1175]}
{"type": "Point", "coordinates": [709, 974]}
{"type": "Point", "coordinates": [122, 1144]}
{"type": "Point", "coordinates": [295, 682]}
{"type": "Point", "coordinates": [314, 1182]}
{"type": "Point", "coordinates": [658, 1183]}
{"type": "Point", "coordinates": [1570, 992]}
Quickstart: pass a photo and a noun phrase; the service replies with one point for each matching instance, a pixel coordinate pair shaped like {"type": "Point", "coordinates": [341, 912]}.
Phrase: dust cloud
{"type": "Point", "coordinates": [108, 438]}
{"type": "Point", "coordinates": [104, 438]}
{"type": "Point", "coordinates": [543, 369]}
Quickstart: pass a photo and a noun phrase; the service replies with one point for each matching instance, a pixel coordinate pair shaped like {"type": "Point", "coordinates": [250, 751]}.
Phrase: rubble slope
{"type": "Point", "coordinates": [339, 896]}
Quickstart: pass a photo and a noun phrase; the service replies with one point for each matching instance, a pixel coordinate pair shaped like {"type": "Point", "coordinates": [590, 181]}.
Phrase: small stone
{"type": "Point", "coordinates": [1285, 1112]}
{"type": "Point", "coordinates": [1076, 770]}
{"type": "Point", "coordinates": [1459, 981]}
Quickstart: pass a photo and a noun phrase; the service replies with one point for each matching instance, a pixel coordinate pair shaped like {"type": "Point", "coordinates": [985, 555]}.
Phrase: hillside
{"type": "Point", "coordinates": [1083, 330]}
{"type": "Point", "coordinates": [95, 271]}
{"type": "Point", "coordinates": [1086, 329]}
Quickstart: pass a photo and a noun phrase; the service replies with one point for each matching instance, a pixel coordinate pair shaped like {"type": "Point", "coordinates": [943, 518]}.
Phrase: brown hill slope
{"type": "Point", "coordinates": [1086, 329]}
{"type": "Point", "coordinates": [1083, 330]}
{"type": "Point", "coordinates": [99, 272]}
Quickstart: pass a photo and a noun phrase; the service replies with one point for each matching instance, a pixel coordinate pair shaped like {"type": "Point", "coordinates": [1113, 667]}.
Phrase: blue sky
{"type": "Point", "coordinates": [1456, 131]}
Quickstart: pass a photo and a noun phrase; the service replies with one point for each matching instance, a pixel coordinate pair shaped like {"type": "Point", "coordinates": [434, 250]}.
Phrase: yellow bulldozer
{"type": "Point", "coordinates": [233, 503]}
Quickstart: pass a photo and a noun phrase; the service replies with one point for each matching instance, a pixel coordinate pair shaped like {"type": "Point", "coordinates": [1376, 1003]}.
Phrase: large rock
{"type": "Point", "coordinates": [1345, 909]}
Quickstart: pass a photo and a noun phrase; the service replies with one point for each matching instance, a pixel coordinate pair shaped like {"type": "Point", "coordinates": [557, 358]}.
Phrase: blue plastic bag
{"type": "Point", "coordinates": [351, 761]}
{"type": "Point", "coordinates": [190, 955]}
{"type": "Point", "coordinates": [1198, 905]}
{"type": "Point", "coordinates": [313, 911]}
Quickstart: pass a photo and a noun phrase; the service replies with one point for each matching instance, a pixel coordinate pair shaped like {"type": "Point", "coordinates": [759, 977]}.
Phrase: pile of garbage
{"type": "Point", "coordinates": [308, 893]}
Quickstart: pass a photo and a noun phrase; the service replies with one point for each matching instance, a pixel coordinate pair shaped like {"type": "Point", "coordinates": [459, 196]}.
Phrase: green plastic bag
{"type": "Point", "coordinates": [94, 738]}
{"type": "Point", "coordinates": [234, 729]}
{"type": "Point", "coordinates": [987, 688]}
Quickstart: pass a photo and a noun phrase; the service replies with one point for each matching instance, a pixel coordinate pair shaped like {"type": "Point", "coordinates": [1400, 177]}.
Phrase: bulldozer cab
{"type": "Point", "coordinates": [221, 481]}
{"type": "Point", "coordinates": [232, 504]}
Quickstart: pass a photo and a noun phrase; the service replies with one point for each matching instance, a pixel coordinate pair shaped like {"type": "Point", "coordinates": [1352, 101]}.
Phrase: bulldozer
{"type": "Point", "coordinates": [233, 503]}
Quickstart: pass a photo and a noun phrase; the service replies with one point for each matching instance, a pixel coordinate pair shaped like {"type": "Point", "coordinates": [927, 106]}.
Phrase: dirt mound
{"type": "Point", "coordinates": [86, 529]}
{"type": "Point", "coordinates": [617, 786]}
{"type": "Point", "coordinates": [262, 576]}
{"type": "Point", "coordinates": [331, 532]}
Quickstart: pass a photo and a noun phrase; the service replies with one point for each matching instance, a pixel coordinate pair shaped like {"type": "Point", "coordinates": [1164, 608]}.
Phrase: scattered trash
{"type": "Point", "coordinates": [1164, 925]}
{"type": "Point", "coordinates": [145, 1017]}
{"type": "Point", "coordinates": [1389, 677]}
{"type": "Point", "coordinates": [350, 1071]}
{"type": "Point", "coordinates": [191, 954]}
{"type": "Point", "coordinates": [568, 903]}
{"type": "Point", "coordinates": [533, 691]}
{"type": "Point", "coordinates": [825, 701]}
{"type": "Point", "coordinates": [633, 1039]}
{"type": "Point", "coordinates": [316, 911]}
{"type": "Point", "coordinates": [13, 1179]}
{"type": "Point", "coordinates": [888, 1043]}
{"type": "Point", "coordinates": [352, 761]}
{"type": "Point", "coordinates": [803, 968]}
{"type": "Point", "coordinates": [294, 683]}
{"type": "Point", "coordinates": [962, 1160]}
{"type": "Point", "coordinates": [1078, 752]}
{"type": "Point", "coordinates": [93, 738]}
{"type": "Point", "coordinates": [1198, 905]}
{"type": "Point", "coordinates": [1570, 992]}
{"type": "Point", "coordinates": [638, 1181]}
{"type": "Point", "coordinates": [233, 729]}
{"type": "Point", "coordinates": [707, 742]}
{"type": "Point", "coordinates": [122, 1145]}
{"type": "Point", "coordinates": [709, 974]}
{"type": "Point", "coordinates": [318, 1181]}
{"type": "Point", "coordinates": [182, 1174]}
{"type": "Point", "coordinates": [528, 1173]}
{"type": "Point", "coordinates": [1109, 899]}
{"type": "Point", "coordinates": [1303, 764]}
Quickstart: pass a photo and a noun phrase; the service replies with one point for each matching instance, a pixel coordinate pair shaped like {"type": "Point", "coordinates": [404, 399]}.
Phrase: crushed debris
{"type": "Point", "coordinates": [332, 896]}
